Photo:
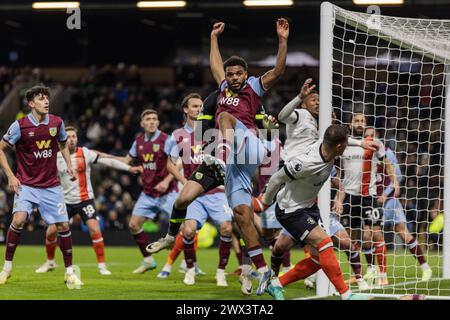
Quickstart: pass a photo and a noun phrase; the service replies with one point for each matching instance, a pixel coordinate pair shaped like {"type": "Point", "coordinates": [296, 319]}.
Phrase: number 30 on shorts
{"type": "Point", "coordinates": [373, 214]}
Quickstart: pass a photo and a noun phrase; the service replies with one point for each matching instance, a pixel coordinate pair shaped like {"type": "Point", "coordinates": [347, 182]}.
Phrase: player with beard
{"type": "Point", "coordinates": [238, 104]}
{"type": "Point", "coordinates": [358, 194]}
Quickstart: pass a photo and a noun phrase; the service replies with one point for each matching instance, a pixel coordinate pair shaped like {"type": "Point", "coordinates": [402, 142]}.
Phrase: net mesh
{"type": "Point", "coordinates": [393, 70]}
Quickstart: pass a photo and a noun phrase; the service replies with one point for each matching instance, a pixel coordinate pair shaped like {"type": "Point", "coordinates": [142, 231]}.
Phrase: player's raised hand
{"type": "Point", "coordinates": [14, 184]}
{"type": "Point", "coordinates": [338, 208]}
{"type": "Point", "coordinates": [282, 28]}
{"type": "Point", "coordinates": [306, 88]}
{"type": "Point", "coordinates": [218, 28]}
{"type": "Point", "coordinates": [270, 122]}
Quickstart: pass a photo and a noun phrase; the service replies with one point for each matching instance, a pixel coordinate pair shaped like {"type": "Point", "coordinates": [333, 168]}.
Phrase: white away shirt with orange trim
{"type": "Point", "coordinates": [308, 172]}
{"type": "Point", "coordinates": [300, 135]}
{"type": "Point", "coordinates": [359, 167]}
{"type": "Point", "coordinates": [80, 189]}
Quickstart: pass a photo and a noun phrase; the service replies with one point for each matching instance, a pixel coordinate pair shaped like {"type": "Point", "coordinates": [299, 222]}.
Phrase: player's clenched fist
{"type": "Point", "coordinates": [282, 28]}
{"type": "Point", "coordinates": [217, 29]}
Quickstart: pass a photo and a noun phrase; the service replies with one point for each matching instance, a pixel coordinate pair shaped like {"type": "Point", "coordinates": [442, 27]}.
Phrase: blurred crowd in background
{"type": "Point", "coordinates": [106, 105]}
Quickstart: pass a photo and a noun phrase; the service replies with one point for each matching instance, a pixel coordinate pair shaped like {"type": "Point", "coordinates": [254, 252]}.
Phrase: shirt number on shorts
{"type": "Point", "coordinates": [373, 214]}
{"type": "Point", "coordinates": [61, 209]}
{"type": "Point", "coordinates": [89, 210]}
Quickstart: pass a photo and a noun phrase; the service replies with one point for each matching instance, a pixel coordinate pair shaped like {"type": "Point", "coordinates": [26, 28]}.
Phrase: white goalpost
{"type": "Point", "coordinates": [396, 71]}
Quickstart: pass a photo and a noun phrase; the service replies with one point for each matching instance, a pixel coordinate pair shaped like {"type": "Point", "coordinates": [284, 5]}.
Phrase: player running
{"type": "Point", "coordinates": [212, 204]}
{"type": "Point", "coordinates": [297, 211]}
{"type": "Point", "coordinates": [79, 197]}
{"type": "Point", "coordinates": [393, 212]}
{"type": "Point", "coordinates": [357, 198]}
{"type": "Point", "coordinates": [37, 139]}
{"type": "Point", "coordinates": [151, 150]}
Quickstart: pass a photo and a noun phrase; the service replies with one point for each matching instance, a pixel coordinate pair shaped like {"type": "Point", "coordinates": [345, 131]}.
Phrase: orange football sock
{"type": "Point", "coordinates": [301, 270]}
{"type": "Point", "coordinates": [176, 250]}
{"type": "Point", "coordinates": [330, 265]}
{"type": "Point", "coordinates": [99, 246]}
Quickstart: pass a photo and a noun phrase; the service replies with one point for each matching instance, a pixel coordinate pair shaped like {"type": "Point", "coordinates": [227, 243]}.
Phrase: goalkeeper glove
{"type": "Point", "coordinates": [270, 122]}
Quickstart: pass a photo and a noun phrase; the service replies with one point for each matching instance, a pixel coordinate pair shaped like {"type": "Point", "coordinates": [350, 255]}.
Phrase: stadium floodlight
{"type": "Point", "coordinates": [161, 4]}
{"type": "Point", "coordinates": [55, 5]}
{"type": "Point", "coordinates": [377, 2]}
{"type": "Point", "coordinates": [267, 3]}
{"type": "Point", "coordinates": [406, 99]}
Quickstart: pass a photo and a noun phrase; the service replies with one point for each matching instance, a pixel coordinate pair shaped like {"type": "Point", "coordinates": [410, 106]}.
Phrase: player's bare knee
{"type": "Point", "coordinates": [316, 236]}
{"type": "Point", "coordinates": [19, 220]}
{"type": "Point", "coordinates": [19, 224]}
{"type": "Point", "coordinates": [51, 231]}
{"type": "Point", "coordinates": [134, 226]}
{"type": "Point", "coordinates": [93, 226]}
{"type": "Point", "coordinates": [224, 117]}
{"type": "Point", "coordinates": [242, 212]}
{"type": "Point", "coordinates": [62, 226]}
{"type": "Point", "coordinates": [190, 228]}
{"type": "Point", "coordinates": [279, 248]}
{"type": "Point", "coordinates": [226, 229]}
{"type": "Point", "coordinates": [183, 200]}
{"type": "Point", "coordinates": [189, 232]}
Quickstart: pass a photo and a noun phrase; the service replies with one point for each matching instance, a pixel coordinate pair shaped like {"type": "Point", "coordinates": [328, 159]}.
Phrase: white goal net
{"type": "Point", "coordinates": [394, 72]}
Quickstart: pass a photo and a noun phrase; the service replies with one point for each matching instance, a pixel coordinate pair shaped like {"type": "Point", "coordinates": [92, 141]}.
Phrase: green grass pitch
{"type": "Point", "coordinates": [122, 284]}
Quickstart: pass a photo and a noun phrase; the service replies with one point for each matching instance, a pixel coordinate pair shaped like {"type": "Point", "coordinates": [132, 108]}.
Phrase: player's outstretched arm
{"type": "Point", "coordinates": [127, 159]}
{"type": "Point", "coordinates": [115, 163]}
{"type": "Point", "coordinates": [66, 156]}
{"type": "Point", "coordinates": [286, 114]}
{"type": "Point", "coordinates": [273, 75]}
{"type": "Point", "coordinates": [175, 170]}
{"type": "Point", "coordinates": [13, 182]}
{"type": "Point", "coordinates": [215, 59]}
{"type": "Point", "coordinates": [365, 144]}
{"type": "Point", "coordinates": [274, 185]}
